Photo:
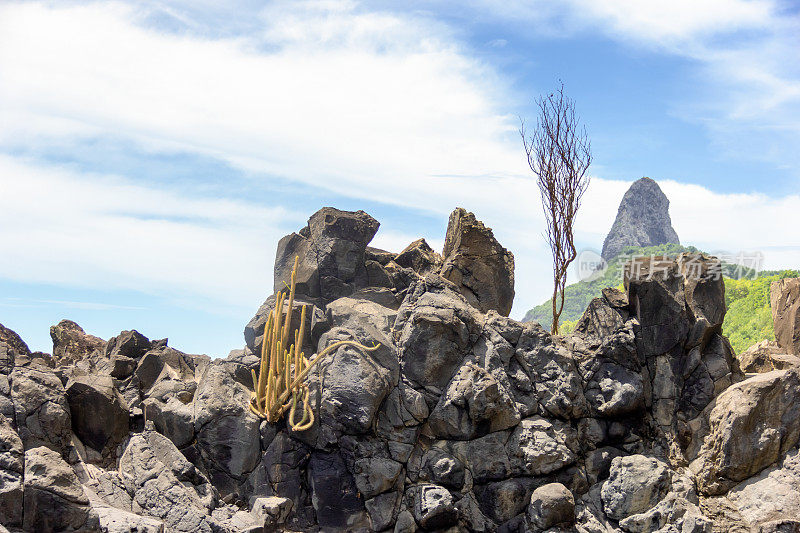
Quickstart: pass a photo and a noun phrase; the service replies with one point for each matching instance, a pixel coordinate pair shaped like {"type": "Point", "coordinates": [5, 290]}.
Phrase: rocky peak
{"type": "Point", "coordinates": [642, 220]}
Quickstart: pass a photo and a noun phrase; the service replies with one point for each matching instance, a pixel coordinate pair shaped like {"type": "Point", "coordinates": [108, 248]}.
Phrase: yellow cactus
{"type": "Point", "coordinates": [284, 369]}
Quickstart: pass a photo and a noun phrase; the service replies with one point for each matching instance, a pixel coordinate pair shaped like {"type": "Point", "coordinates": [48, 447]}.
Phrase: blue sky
{"type": "Point", "coordinates": [152, 153]}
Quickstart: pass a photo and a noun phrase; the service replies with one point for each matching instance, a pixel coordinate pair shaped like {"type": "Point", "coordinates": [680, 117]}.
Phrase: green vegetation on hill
{"type": "Point", "coordinates": [749, 318]}
{"type": "Point", "coordinates": [747, 322]}
{"type": "Point", "coordinates": [578, 295]}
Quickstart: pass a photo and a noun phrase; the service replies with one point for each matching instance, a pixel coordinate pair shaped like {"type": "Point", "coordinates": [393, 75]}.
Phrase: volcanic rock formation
{"type": "Point", "coordinates": [642, 220]}
{"type": "Point", "coordinates": [463, 419]}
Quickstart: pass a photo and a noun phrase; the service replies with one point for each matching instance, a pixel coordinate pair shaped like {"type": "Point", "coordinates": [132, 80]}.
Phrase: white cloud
{"type": "Point", "coordinates": [374, 103]}
{"type": "Point", "coordinates": [737, 222]}
{"type": "Point", "coordinates": [675, 22]}
{"type": "Point", "coordinates": [104, 232]}
{"type": "Point", "coordinates": [384, 107]}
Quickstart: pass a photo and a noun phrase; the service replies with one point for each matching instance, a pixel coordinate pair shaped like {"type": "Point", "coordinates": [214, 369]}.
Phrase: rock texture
{"type": "Point", "coordinates": [785, 304]}
{"type": "Point", "coordinates": [766, 356]}
{"type": "Point", "coordinates": [641, 420]}
{"type": "Point", "coordinates": [642, 220]}
{"type": "Point", "coordinates": [477, 264]}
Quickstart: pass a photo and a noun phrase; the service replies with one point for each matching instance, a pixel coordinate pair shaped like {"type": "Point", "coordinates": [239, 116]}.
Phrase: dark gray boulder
{"type": "Point", "coordinates": [655, 289]}
{"type": "Point", "coordinates": [704, 291]}
{"type": "Point", "coordinates": [42, 413]}
{"type": "Point", "coordinates": [228, 438]}
{"type": "Point", "coordinates": [129, 343]}
{"type": "Point", "coordinates": [481, 269]}
{"type": "Point", "coordinates": [54, 498]}
{"type": "Point", "coordinates": [474, 404]}
{"type": "Point", "coordinates": [99, 414]}
{"type": "Point", "coordinates": [419, 257]}
{"type": "Point", "coordinates": [551, 505]}
{"type": "Point", "coordinates": [642, 220]}
{"type": "Point", "coordinates": [636, 484]}
{"type": "Point", "coordinates": [165, 485]}
{"type": "Point", "coordinates": [331, 251]}
{"type": "Point", "coordinates": [336, 500]}
{"type": "Point", "coordinates": [434, 330]}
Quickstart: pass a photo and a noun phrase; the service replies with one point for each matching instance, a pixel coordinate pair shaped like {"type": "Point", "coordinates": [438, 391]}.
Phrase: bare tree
{"type": "Point", "coordinates": [559, 154]}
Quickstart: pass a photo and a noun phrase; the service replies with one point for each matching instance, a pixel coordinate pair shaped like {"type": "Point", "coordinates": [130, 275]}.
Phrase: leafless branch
{"type": "Point", "coordinates": [559, 154]}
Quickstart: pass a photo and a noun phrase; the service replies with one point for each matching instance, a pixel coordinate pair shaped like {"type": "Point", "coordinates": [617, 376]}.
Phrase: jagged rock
{"type": "Point", "coordinates": [766, 356]}
{"type": "Point", "coordinates": [600, 319]}
{"type": "Point", "coordinates": [474, 404]}
{"type": "Point", "coordinates": [11, 472]}
{"type": "Point", "coordinates": [71, 343]}
{"type": "Point", "coordinates": [657, 301]}
{"type": "Point", "coordinates": [477, 264]}
{"type": "Point", "coordinates": [419, 257]}
{"type": "Point", "coordinates": [502, 500]}
{"type": "Point", "coordinates": [752, 424]}
{"type": "Point", "coordinates": [405, 523]}
{"type": "Point", "coordinates": [99, 414]}
{"type": "Point", "coordinates": [615, 390]}
{"type": "Point", "coordinates": [54, 498]}
{"type": "Point", "coordinates": [228, 439]}
{"type": "Point", "coordinates": [673, 512]}
{"type": "Point", "coordinates": [642, 220]}
{"type": "Point", "coordinates": [433, 506]}
{"type": "Point", "coordinates": [785, 303]}
{"type": "Point", "coordinates": [382, 257]}
{"type": "Point", "coordinates": [539, 446]}
{"type": "Point", "coordinates": [334, 495]}
{"type": "Point", "coordinates": [772, 495]}
{"type": "Point", "coordinates": [354, 384]}
{"type": "Point", "coordinates": [166, 486]}
{"type": "Point", "coordinates": [598, 463]}
{"type": "Point", "coordinates": [271, 511]}
{"type": "Point", "coordinates": [544, 373]}
{"type": "Point", "coordinates": [486, 458]}
{"type": "Point", "coordinates": [130, 344]}
{"type": "Point", "coordinates": [173, 419]}
{"type": "Point", "coordinates": [41, 411]}
{"type": "Point", "coordinates": [470, 516]}
{"type": "Point", "coordinates": [165, 364]}
{"type": "Point", "coordinates": [435, 328]}
{"type": "Point", "coordinates": [331, 251]}
{"type": "Point", "coordinates": [280, 469]}
{"type": "Point", "coordinates": [114, 520]}
{"type": "Point", "coordinates": [367, 309]}
{"type": "Point", "coordinates": [370, 461]}
{"type": "Point", "coordinates": [122, 367]}
{"type": "Point", "coordinates": [441, 468]}
{"type": "Point", "coordinates": [589, 515]}
{"type": "Point", "coordinates": [13, 341]}
{"type": "Point", "coordinates": [551, 505]}
{"type": "Point", "coordinates": [383, 509]}
{"type": "Point", "coordinates": [636, 483]}
{"type": "Point", "coordinates": [704, 291]}
{"type": "Point", "coordinates": [368, 318]}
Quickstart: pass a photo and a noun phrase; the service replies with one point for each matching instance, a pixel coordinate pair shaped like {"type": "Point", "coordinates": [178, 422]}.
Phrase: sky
{"type": "Point", "coordinates": [153, 153]}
